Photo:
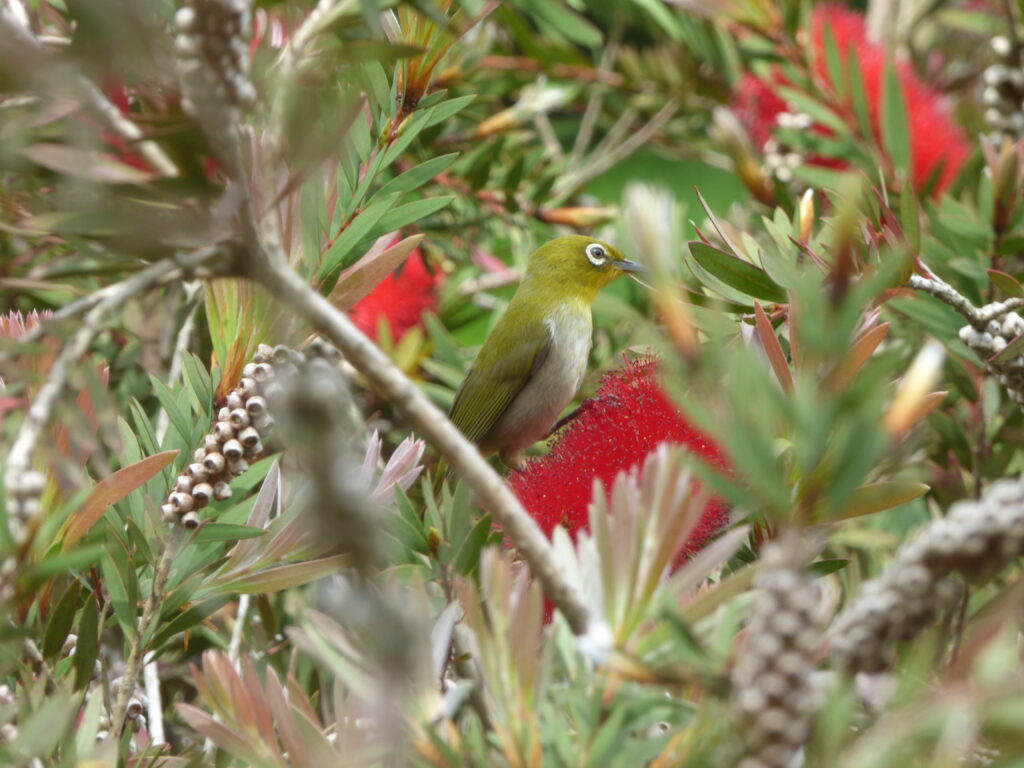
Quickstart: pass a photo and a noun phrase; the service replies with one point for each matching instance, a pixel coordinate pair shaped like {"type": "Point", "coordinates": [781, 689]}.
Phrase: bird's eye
{"type": "Point", "coordinates": [596, 254]}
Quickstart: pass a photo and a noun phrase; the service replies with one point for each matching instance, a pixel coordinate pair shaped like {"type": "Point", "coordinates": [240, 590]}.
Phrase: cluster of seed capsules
{"type": "Point", "coordinates": [1003, 93]}
{"type": "Point", "coordinates": [771, 682]}
{"type": "Point", "coordinates": [241, 426]}
{"type": "Point", "coordinates": [992, 341]}
{"type": "Point", "coordinates": [975, 540]}
{"type": "Point", "coordinates": [213, 58]}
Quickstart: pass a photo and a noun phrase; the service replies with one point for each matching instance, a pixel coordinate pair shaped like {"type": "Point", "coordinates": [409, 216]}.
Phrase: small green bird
{"type": "Point", "coordinates": [532, 363]}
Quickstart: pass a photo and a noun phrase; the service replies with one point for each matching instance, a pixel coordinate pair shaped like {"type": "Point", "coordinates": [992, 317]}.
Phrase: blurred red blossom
{"type": "Point", "coordinates": [401, 298]}
{"type": "Point", "coordinates": [938, 145]}
{"type": "Point", "coordinates": [616, 430]}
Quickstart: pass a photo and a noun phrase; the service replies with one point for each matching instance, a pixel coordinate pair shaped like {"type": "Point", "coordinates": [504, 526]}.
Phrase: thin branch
{"type": "Point", "coordinates": [603, 160]}
{"type": "Point", "coordinates": [84, 304]}
{"type": "Point", "coordinates": [236, 631]}
{"type": "Point", "coordinates": [593, 108]}
{"type": "Point", "coordinates": [150, 611]}
{"type": "Point", "coordinates": [19, 457]}
{"type": "Point", "coordinates": [977, 317]}
{"type": "Point", "coordinates": [94, 99]}
{"type": "Point", "coordinates": [154, 701]}
{"type": "Point", "coordinates": [547, 135]}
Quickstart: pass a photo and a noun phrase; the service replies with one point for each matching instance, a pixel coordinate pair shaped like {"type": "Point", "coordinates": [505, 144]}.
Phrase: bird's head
{"type": "Point", "coordinates": [578, 265]}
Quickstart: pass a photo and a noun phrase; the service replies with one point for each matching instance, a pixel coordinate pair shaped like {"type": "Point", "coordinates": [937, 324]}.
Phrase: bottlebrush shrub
{"type": "Point", "coordinates": [937, 145]}
{"type": "Point", "coordinates": [628, 418]}
{"type": "Point", "coordinates": [400, 299]}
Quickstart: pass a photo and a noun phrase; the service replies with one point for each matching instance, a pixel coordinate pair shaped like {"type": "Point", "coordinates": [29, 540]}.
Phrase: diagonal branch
{"type": "Point", "coordinates": [270, 268]}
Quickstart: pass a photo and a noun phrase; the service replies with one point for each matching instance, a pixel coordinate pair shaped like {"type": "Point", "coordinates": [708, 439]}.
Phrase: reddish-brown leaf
{"type": "Point", "coordinates": [772, 348]}
{"type": "Point", "coordinates": [859, 353]}
{"type": "Point", "coordinates": [362, 277]}
{"type": "Point", "coordinates": [109, 491]}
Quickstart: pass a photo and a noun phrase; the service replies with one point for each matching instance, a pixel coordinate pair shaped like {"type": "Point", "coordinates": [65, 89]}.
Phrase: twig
{"type": "Point", "coordinates": [603, 160]}
{"type": "Point", "coordinates": [547, 134]}
{"type": "Point", "coordinates": [236, 631]}
{"type": "Point", "coordinates": [593, 109]}
{"type": "Point", "coordinates": [150, 611]}
{"type": "Point", "coordinates": [154, 701]}
{"type": "Point", "coordinates": [84, 304]}
{"type": "Point", "coordinates": [94, 99]}
{"type": "Point", "coordinates": [19, 457]}
{"type": "Point", "coordinates": [977, 317]}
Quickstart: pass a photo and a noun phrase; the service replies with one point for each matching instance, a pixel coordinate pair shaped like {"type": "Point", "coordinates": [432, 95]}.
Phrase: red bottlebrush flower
{"type": "Point", "coordinates": [616, 430]}
{"type": "Point", "coordinates": [401, 298]}
{"type": "Point", "coordinates": [938, 146]}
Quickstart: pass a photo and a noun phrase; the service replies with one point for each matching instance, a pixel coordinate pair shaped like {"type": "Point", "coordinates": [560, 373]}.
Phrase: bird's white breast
{"type": "Point", "coordinates": [537, 407]}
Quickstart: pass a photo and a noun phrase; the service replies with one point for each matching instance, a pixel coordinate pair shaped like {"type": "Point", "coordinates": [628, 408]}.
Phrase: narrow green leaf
{"type": "Point", "coordinates": [407, 133]}
{"type": "Point", "coordinates": [357, 229]}
{"type": "Point", "coordinates": [833, 64]}
{"type": "Point", "coordinates": [284, 576]}
{"type": "Point", "coordinates": [58, 623]}
{"type": "Point", "coordinates": [68, 561]}
{"type": "Point", "coordinates": [1007, 284]}
{"type": "Point", "coordinates": [468, 556]}
{"type": "Point", "coordinates": [825, 567]}
{"type": "Point", "coordinates": [858, 94]}
{"type": "Point", "coordinates": [377, 87]}
{"type": "Point", "coordinates": [877, 497]}
{"type": "Point", "coordinates": [124, 610]}
{"type": "Point", "coordinates": [405, 215]}
{"type": "Point", "coordinates": [910, 217]}
{"type": "Point", "coordinates": [188, 618]}
{"type": "Point", "coordinates": [226, 532]}
{"type": "Point", "coordinates": [736, 273]}
{"type": "Point", "coordinates": [419, 175]}
{"type": "Point", "coordinates": [895, 129]}
{"type": "Point", "coordinates": [448, 109]}
{"type": "Point", "coordinates": [87, 646]}
{"type": "Point", "coordinates": [169, 402]}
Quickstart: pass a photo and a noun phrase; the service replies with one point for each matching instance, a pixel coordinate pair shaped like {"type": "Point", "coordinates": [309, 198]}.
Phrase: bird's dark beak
{"type": "Point", "coordinates": [629, 266]}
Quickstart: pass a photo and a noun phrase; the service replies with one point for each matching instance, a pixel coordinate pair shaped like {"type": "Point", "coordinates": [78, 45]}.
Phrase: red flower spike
{"type": "Point", "coordinates": [938, 146]}
{"type": "Point", "coordinates": [401, 298]}
{"type": "Point", "coordinates": [616, 430]}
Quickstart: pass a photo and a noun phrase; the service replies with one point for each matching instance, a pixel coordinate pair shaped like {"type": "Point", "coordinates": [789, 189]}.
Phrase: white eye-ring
{"type": "Point", "coordinates": [596, 254]}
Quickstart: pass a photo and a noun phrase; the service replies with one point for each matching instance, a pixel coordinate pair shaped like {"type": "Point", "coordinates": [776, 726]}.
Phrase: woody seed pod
{"type": "Point", "coordinates": [232, 450]}
{"type": "Point", "coordinates": [202, 494]}
{"type": "Point", "coordinates": [249, 437]}
{"type": "Point", "coordinates": [222, 431]}
{"type": "Point", "coordinates": [256, 405]}
{"type": "Point", "coordinates": [197, 471]}
{"type": "Point", "coordinates": [239, 418]}
{"type": "Point", "coordinates": [221, 491]}
{"type": "Point", "coordinates": [190, 520]}
{"type": "Point", "coordinates": [237, 467]}
{"type": "Point", "coordinates": [214, 463]}
{"type": "Point", "coordinates": [182, 502]}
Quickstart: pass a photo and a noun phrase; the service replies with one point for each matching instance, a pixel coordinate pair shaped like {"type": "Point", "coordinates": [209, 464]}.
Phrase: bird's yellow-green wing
{"type": "Point", "coordinates": [499, 374]}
